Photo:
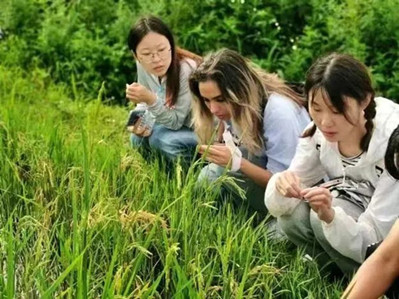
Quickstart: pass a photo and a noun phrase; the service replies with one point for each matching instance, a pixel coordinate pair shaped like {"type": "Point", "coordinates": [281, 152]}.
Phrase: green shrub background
{"type": "Point", "coordinates": [83, 43]}
{"type": "Point", "coordinates": [83, 215]}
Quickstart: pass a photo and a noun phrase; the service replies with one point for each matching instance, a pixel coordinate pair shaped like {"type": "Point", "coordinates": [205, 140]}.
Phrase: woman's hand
{"type": "Point", "coordinates": [320, 201]}
{"type": "Point", "coordinates": [218, 154]}
{"type": "Point", "coordinates": [288, 184]}
{"type": "Point", "coordinates": [137, 93]}
{"type": "Point", "coordinates": [137, 129]}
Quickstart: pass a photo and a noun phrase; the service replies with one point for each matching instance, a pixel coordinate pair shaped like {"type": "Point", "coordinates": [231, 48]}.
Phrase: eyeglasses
{"type": "Point", "coordinates": [149, 57]}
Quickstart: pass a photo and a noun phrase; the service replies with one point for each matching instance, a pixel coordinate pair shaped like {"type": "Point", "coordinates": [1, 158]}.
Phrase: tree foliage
{"type": "Point", "coordinates": [83, 42]}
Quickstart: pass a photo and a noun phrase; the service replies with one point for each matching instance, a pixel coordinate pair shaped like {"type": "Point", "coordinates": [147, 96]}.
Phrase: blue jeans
{"type": "Point", "coordinates": [171, 143]}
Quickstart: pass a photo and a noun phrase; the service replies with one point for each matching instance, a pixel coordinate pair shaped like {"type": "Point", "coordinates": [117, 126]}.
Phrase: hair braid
{"type": "Point", "coordinates": [369, 114]}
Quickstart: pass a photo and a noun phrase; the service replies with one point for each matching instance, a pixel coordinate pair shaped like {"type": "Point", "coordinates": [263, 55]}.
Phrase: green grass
{"type": "Point", "coordinates": [82, 215]}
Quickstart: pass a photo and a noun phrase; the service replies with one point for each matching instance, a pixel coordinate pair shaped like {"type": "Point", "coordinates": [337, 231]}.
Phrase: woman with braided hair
{"type": "Point", "coordinates": [345, 145]}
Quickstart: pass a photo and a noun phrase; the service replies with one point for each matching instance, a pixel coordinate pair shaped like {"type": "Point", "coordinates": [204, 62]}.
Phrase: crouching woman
{"type": "Point", "coordinates": [161, 92]}
{"type": "Point", "coordinates": [336, 220]}
{"type": "Point", "coordinates": [258, 118]}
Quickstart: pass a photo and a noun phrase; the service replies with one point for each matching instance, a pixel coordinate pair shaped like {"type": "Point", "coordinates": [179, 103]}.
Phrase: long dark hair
{"type": "Point", "coordinates": [149, 24]}
{"type": "Point", "coordinates": [392, 154]}
{"type": "Point", "coordinates": [338, 76]}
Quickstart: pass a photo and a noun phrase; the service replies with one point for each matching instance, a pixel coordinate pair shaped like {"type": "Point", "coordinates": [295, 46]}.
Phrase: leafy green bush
{"type": "Point", "coordinates": [366, 29]}
{"type": "Point", "coordinates": [83, 42]}
{"type": "Point", "coordinates": [80, 42]}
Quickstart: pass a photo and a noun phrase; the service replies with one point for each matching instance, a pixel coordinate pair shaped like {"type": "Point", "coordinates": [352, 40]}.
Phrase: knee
{"type": "Point", "coordinates": [293, 224]}
{"type": "Point", "coordinates": [210, 173]}
{"type": "Point", "coordinates": [164, 145]}
{"type": "Point", "coordinates": [163, 142]}
{"type": "Point", "coordinates": [316, 225]}
{"type": "Point", "coordinates": [171, 143]}
{"type": "Point", "coordinates": [287, 225]}
{"type": "Point", "coordinates": [163, 137]}
{"type": "Point", "coordinates": [156, 141]}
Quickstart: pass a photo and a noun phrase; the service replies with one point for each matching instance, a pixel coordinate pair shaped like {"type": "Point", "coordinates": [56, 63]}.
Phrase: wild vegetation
{"type": "Point", "coordinates": [84, 215]}
{"type": "Point", "coordinates": [83, 42]}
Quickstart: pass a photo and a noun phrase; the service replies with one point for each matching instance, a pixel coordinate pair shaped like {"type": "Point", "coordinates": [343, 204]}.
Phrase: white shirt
{"type": "Point", "coordinates": [316, 158]}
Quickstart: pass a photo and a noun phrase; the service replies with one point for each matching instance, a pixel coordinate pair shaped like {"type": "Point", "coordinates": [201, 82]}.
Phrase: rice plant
{"type": "Point", "coordinates": [83, 215]}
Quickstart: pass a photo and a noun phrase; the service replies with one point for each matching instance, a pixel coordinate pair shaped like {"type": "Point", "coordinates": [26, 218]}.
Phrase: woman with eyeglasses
{"type": "Point", "coordinates": [161, 92]}
{"type": "Point", "coordinates": [259, 120]}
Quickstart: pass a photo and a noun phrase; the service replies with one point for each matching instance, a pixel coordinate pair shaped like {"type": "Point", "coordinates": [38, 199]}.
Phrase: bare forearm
{"type": "Point", "coordinates": [258, 174]}
{"type": "Point", "coordinates": [378, 271]}
{"type": "Point", "coordinates": [372, 280]}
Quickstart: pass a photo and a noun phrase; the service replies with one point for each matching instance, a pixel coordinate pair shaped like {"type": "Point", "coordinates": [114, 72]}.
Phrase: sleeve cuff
{"type": "Point", "coordinates": [326, 225]}
{"type": "Point", "coordinates": [154, 107]}
{"type": "Point", "coordinates": [277, 204]}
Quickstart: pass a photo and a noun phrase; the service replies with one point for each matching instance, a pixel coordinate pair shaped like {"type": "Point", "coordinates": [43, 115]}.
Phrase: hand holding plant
{"type": "Point", "coordinates": [138, 93]}
{"type": "Point", "coordinates": [320, 201]}
{"type": "Point", "coordinates": [218, 154]}
{"type": "Point", "coordinates": [288, 184]}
